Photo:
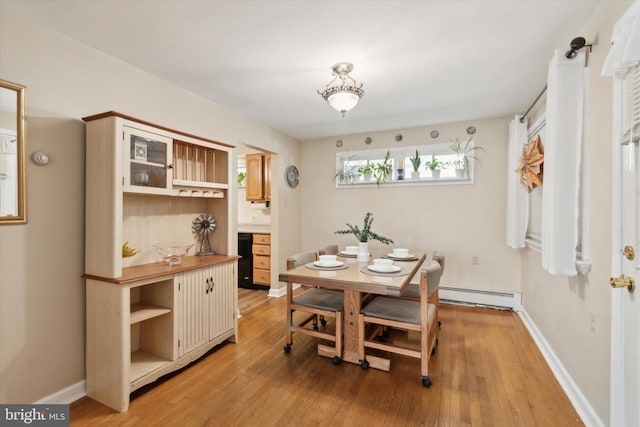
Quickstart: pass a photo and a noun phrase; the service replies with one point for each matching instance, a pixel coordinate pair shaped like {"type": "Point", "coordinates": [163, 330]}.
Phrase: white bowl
{"type": "Point", "coordinates": [400, 252]}
{"type": "Point", "coordinates": [351, 249]}
{"type": "Point", "coordinates": [383, 263]}
{"type": "Point", "coordinates": [327, 259]}
{"type": "Point", "coordinates": [173, 252]}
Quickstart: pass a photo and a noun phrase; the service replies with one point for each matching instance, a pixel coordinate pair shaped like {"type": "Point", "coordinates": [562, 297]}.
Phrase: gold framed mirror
{"type": "Point", "coordinates": [13, 197]}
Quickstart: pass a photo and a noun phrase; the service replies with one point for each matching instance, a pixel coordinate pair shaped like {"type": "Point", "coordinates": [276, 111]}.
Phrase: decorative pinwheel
{"type": "Point", "coordinates": [531, 165]}
{"type": "Point", "coordinates": [202, 227]}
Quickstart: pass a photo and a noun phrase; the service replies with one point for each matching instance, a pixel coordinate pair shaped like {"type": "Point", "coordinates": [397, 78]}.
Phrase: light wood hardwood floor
{"type": "Point", "coordinates": [487, 372]}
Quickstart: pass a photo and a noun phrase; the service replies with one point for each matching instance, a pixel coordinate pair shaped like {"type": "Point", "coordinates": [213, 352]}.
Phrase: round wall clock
{"type": "Point", "coordinates": [292, 176]}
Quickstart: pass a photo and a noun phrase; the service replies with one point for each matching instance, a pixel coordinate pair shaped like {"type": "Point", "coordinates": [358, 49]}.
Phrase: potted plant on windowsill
{"type": "Point", "coordinates": [464, 153]}
{"type": "Point", "coordinates": [363, 235]}
{"type": "Point", "coordinates": [382, 170]}
{"type": "Point", "coordinates": [366, 172]}
{"type": "Point", "coordinates": [415, 162]}
{"type": "Point", "coordinates": [435, 166]}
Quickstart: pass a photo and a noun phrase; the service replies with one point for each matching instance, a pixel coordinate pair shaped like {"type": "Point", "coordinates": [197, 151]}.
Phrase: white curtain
{"type": "Point", "coordinates": [517, 200]}
{"type": "Point", "coordinates": [625, 43]}
{"type": "Point", "coordinates": [562, 153]}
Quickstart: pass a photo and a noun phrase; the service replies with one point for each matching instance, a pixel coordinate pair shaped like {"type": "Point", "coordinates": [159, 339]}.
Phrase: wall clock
{"type": "Point", "coordinates": [292, 176]}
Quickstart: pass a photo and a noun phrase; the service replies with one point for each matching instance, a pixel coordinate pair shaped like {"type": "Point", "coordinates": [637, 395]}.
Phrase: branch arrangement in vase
{"type": "Point", "coordinates": [365, 234]}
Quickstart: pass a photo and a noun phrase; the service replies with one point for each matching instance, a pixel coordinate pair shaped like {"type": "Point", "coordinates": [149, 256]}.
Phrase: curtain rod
{"type": "Point", "coordinates": [532, 104]}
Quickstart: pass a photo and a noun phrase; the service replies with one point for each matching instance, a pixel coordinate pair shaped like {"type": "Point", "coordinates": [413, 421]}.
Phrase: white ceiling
{"type": "Point", "coordinates": [421, 62]}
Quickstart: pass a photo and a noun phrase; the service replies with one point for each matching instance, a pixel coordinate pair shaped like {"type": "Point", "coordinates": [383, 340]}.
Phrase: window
{"type": "Point", "coordinates": [361, 168]}
{"type": "Point", "coordinates": [534, 227]}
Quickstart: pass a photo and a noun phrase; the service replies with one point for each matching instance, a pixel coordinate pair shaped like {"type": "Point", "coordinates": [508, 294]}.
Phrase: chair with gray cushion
{"type": "Point", "coordinates": [407, 315]}
{"type": "Point", "coordinates": [412, 291]}
{"type": "Point", "coordinates": [328, 250]}
{"type": "Point", "coordinates": [314, 303]}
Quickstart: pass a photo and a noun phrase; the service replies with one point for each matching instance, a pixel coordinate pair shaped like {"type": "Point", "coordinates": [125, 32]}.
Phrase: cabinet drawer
{"type": "Point", "coordinates": [262, 262]}
{"type": "Point", "coordinates": [262, 239]}
{"type": "Point", "coordinates": [261, 250]}
{"type": "Point", "coordinates": [262, 277]}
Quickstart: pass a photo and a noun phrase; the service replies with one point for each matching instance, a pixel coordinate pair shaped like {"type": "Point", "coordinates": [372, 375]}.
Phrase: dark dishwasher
{"type": "Point", "coordinates": [245, 264]}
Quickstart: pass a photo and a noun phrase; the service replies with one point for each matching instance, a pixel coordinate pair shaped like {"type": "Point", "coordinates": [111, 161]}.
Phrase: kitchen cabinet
{"type": "Point", "coordinates": [258, 180]}
{"type": "Point", "coordinates": [261, 251]}
{"type": "Point", "coordinates": [206, 312]}
{"type": "Point", "coordinates": [146, 184]}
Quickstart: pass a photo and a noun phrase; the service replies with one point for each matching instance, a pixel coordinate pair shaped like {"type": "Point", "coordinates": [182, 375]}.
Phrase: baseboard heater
{"type": "Point", "coordinates": [480, 298]}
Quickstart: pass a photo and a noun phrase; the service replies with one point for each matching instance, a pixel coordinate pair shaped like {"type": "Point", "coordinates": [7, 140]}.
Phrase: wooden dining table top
{"type": "Point", "coordinates": [352, 278]}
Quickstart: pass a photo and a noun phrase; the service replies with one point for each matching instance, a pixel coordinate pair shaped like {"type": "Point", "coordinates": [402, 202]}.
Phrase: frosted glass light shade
{"type": "Point", "coordinates": [343, 101]}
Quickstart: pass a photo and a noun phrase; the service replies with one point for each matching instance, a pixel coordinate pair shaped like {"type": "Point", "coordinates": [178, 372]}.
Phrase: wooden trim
{"type": "Point", "coordinates": [133, 119]}
{"type": "Point", "coordinates": [159, 269]}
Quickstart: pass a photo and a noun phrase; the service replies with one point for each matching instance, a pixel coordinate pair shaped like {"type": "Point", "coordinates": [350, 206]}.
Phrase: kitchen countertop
{"type": "Point", "coordinates": [254, 228]}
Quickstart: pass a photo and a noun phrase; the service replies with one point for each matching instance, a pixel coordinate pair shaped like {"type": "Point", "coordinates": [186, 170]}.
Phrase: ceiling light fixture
{"type": "Point", "coordinates": [342, 93]}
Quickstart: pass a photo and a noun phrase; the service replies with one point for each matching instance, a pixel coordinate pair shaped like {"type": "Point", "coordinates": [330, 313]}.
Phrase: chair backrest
{"type": "Point", "coordinates": [432, 273]}
{"type": "Point", "coordinates": [329, 250]}
{"type": "Point", "coordinates": [300, 259]}
{"type": "Point", "coordinates": [439, 256]}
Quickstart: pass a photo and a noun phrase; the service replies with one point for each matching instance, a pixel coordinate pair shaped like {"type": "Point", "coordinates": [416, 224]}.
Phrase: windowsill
{"type": "Point", "coordinates": [582, 266]}
{"type": "Point", "coordinates": [408, 182]}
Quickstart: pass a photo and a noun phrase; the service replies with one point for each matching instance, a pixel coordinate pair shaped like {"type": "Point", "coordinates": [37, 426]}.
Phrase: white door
{"type": "Point", "coordinates": [625, 314]}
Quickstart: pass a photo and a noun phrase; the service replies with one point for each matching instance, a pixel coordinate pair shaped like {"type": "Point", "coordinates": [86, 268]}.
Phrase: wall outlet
{"type": "Point", "coordinates": [594, 321]}
{"type": "Point", "coordinates": [475, 260]}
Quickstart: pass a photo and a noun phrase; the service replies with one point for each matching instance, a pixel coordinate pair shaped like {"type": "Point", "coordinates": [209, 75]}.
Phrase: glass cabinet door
{"type": "Point", "coordinates": [147, 167]}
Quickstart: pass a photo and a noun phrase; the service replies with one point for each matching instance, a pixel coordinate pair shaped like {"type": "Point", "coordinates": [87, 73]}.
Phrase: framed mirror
{"type": "Point", "coordinates": [13, 198]}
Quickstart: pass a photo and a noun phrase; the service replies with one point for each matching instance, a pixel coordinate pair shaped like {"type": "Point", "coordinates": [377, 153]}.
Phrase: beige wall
{"type": "Point", "coordinates": [41, 263]}
{"type": "Point", "coordinates": [462, 220]}
{"type": "Point", "coordinates": [562, 307]}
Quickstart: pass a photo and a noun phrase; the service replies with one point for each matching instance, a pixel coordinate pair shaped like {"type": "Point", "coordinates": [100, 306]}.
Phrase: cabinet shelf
{"type": "Point", "coordinates": [147, 163]}
{"type": "Point", "coordinates": [143, 363]}
{"type": "Point", "coordinates": [141, 312]}
{"type": "Point", "coordinates": [200, 184]}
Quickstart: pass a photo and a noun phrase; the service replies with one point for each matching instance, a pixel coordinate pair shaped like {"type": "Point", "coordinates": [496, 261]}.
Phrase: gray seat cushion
{"type": "Point", "coordinates": [321, 299]}
{"type": "Point", "coordinates": [396, 309]}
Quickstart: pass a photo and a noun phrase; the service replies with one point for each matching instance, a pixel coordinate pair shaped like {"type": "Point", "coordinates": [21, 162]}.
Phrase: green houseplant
{"type": "Point", "coordinates": [416, 161]}
{"type": "Point", "coordinates": [464, 152]}
{"type": "Point", "coordinates": [435, 166]}
{"type": "Point", "coordinates": [241, 177]}
{"type": "Point", "coordinates": [366, 171]}
{"type": "Point", "coordinates": [365, 234]}
{"type": "Point", "coordinates": [382, 170]}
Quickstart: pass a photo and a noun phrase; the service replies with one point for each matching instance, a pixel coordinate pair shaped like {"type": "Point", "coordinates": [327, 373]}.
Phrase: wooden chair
{"type": "Point", "coordinates": [404, 314]}
{"type": "Point", "coordinates": [328, 250]}
{"type": "Point", "coordinates": [315, 302]}
{"type": "Point", "coordinates": [412, 291]}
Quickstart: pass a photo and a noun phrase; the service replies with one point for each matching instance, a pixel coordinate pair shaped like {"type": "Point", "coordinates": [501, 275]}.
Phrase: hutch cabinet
{"type": "Point", "coordinates": [146, 184]}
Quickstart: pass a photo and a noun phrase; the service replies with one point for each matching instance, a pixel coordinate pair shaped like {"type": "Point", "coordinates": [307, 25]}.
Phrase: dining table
{"type": "Point", "coordinates": [358, 282]}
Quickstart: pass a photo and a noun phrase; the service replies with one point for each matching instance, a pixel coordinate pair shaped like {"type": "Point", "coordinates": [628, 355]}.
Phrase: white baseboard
{"type": "Point", "coordinates": [503, 300]}
{"type": "Point", "coordinates": [277, 293]}
{"type": "Point", "coordinates": [580, 403]}
{"type": "Point", "coordinates": [66, 395]}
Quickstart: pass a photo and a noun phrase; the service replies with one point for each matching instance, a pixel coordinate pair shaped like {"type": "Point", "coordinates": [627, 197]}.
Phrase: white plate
{"type": "Point", "coordinates": [391, 255]}
{"type": "Point", "coordinates": [348, 254]}
{"type": "Point", "coordinates": [328, 264]}
{"type": "Point", "coordinates": [390, 269]}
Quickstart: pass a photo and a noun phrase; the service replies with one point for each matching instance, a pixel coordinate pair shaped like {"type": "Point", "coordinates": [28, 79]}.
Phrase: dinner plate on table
{"type": "Point", "coordinates": [390, 269]}
{"type": "Point", "coordinates": [348, 254]}
{"type": "Point", "coordinates": [409, 257]}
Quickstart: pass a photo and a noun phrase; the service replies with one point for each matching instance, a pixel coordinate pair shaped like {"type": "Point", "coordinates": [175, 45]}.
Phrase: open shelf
{"type": "Point", "coordinates": [141, 312]}
{"type": "Point", "coordinates": [143, 363]}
